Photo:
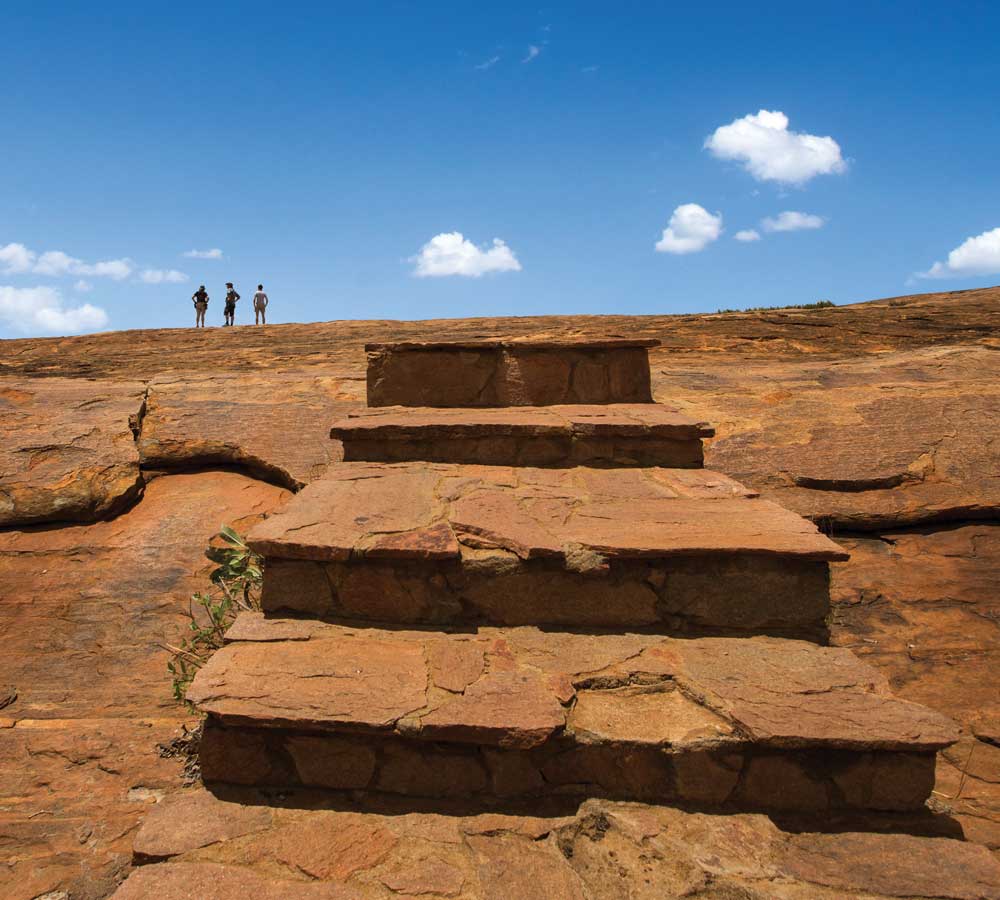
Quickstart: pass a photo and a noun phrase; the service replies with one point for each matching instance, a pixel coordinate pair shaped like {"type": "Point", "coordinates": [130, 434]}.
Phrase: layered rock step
{"type": "Point", "coordinates": [523, 712]}
{"type": "Point", "coordinates": [196, 845]}
{"type": "Point", "coordinates": [685, 550]}
{"type": "Point", "coordinates": [619, 434]}
{"type": "Point", "coordinates": [509, 373]}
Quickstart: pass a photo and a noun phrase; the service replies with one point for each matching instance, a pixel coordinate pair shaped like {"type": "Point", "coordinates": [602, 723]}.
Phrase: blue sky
{"type": "Point", "coordinates": [324, 148]}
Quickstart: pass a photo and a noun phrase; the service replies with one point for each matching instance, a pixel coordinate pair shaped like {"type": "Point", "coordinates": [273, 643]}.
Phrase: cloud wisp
{"type": "Point", "coordinates": [979, 255]}
{"type": "Point", "coordinates": [769, 151]}
{"type": "Point", "coordinates": [792, 221]}
{"type": "Point", "coordinates": [162, 276]}
{"type": "Point", "coordinates": [42, 309]}
{"type": "Point", "coordinates": [214, 253]}
{"type": "Point", "coordinates": [691, 229]}
{"type": "Point", "coordinates": [450, 253]}
{"type": "Point", "coordinates": [17, 259]}
{"type": "Point", "coordinates": [533, 52]}
{"type": "Point", "coordinates": [487, 64]}
{"type": "Point", "coordinates": [747, 235]}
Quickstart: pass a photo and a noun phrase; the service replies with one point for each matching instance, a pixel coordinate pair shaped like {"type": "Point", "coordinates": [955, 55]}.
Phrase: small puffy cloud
{"type": "Point", "coordinates": [162, 276]}
{"type": "Point", "coordinates": [451, 254]}
{"type": "Point", "coordinates": [214, 253]}
{"type": "Point", "coordinates": [533, 52]}
{"type": "Point", "coordinates": [691, 228]}
{"type": "Point", "coordinates": [488, 64]}
{"type": "Point", "coordinates": [41, 309]}
{"type": "Point", "coordinates": [792, 221]}
{"type": "Point", "coordinates": [16, 258]}
{"type": "Point", "coordinates": [979, 255]}
{"type": "Point", "coordinates": [83, 287]}
{"type": "Point", "coordinates": [770, 152]}
{"type": "Point", "coordinates": [747, 235]}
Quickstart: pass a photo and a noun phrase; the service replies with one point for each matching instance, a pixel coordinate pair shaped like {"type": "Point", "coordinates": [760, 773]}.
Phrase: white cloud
{"type": "Point", "coordinates": [770, 152]}
{"type": "Point", "coordinates": [56, 263]}
{"type": "Point", "coordinates": [83, 286]}
{"type": "Point", "coordinates": [162, 276]}
{"type": "Point", "coordinates": [41, 309]}
{"type": "Point", "coordinates": [489, 64]}
{"type": "Point", "coordinates": [691, 228]}
{"type": "Point", "coordinates": [451, 254]}
{"type": "Point", "coordinates": [792, 221]}
{"type": "Point", "coordinates": [533, 52]}
{"type": "Point", "coordinates": [747, 235]}
{"type": "Point", "coordinates": [16, 258]}
{"type": "Point", "coordinates": [979, 255]}
{"type": "Point", "coordinates": [214, 253]}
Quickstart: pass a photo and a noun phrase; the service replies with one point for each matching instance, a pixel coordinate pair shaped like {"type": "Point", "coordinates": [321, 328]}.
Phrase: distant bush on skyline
{"type": "Point", "coordinates": [819, 304]}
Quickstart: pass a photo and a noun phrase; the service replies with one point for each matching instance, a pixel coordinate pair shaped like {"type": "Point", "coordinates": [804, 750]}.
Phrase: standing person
{"type": "Point", "coordinates": [200, 298]}
{"type": "Point", "coordinates": [260, 306]}
{"type": "Point", "coordinates": [231, 298]}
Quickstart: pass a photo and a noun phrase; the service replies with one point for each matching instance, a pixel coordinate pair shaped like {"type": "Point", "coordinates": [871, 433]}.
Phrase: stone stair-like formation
{"type": "Point", "coordinates": [495, 603]}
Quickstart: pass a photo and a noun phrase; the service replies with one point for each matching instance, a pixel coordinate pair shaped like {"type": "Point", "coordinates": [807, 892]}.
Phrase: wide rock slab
{"type": "Point", "coordinates": [686, 550]}
{"type": "Point", "coordinates": [621, 434]}
{"type": "Point", "coordinates": [601, 849]}
{"type": "Point", "coordinates": [418, 511]}
{"type": "Point", "coordinates": [67, 449]}
{"type": "Point", "coordinates": [508, 373]}
{"type": "Point", "coordinates": [520, 711]}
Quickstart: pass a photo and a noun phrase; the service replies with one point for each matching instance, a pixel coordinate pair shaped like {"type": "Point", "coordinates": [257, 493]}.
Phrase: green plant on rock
{"type": "Point", "coordinates": [236, 581]}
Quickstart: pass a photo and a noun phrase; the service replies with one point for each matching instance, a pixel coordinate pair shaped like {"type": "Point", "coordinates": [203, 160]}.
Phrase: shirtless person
{"type": "Point", "coordinates": [260, 306]}
{"type": "Point", "coordinates": [200, 298]}
{"type": "Point", "coordinates": [231, 297]}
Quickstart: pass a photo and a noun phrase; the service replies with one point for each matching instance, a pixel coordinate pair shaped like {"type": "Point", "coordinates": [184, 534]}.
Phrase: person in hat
{"type": "Point", "coordinates": [231, 297]}
{"type": "Point", "coordinates": [260, 306]}
{"type": "Point", "coordinates": [200, 298]}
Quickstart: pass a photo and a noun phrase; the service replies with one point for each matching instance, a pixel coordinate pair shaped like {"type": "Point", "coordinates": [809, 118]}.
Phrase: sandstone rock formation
{"type": "Point", "coordinates": [797, 398]}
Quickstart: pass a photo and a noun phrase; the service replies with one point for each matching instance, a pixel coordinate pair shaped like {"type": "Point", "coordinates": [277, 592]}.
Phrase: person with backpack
{"type": "Point", "coordinates": [231, 297]}
{"type": "Point", "coordinates": [200, 298]}
{"type": "Point", "coordinates": [260, 306]}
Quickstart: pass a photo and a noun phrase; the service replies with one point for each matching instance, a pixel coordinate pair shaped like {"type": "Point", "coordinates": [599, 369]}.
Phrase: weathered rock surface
{"type": "Point", "coordinates": [508, 373]}
{"type": "Point", "coordinates": [780, 373]}
{"type": "Point", "coordinates": [686, 549]}
{"type": "Point", "coordinates": [83, 610]}
{"type": "Point", "coordinates": [67, 451]}
{"type": "Point", "coordinates": [271, 426]}
{"type": "Point", "coordinates": [710, 721]}
{"type": "Point", "coordinates": [603, 849]}
{"type": "Point", "coordinates": [860, 443]}
{"type": "Point", "coordinates": [619, 434]}
{"type": "Point", "coordinates": [406, 510]}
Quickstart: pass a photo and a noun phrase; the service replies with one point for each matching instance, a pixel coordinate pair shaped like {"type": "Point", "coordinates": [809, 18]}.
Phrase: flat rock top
{"type": "Point", "coordinates": [537, 854]}
{"type": "Point", "coordinates": [516, 344]}
{"type": "Point", "coordinates": [428, 510]}
{"type": "Point", "coordinates": [613, 419]}
{"type": "Point", "coordinates": [518, 687]}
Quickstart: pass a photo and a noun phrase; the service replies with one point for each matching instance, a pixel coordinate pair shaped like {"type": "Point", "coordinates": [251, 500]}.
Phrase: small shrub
{"type": "Point", "coordinates": [235, 586]}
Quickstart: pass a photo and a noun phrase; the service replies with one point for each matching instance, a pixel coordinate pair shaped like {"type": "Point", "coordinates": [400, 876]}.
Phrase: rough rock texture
{"type": "Point", "coordinates": [508, 373]}
{"type": "Point", "coordinates": [783, 373]}
{"type": "Point", "coordinates": [619, 434]}
{"type": "Point", "coordinates": [83, 610]}
{"type": "Point", "coordinates": [860, 443]}
{"type": "Point", "coordinates": [67, 449]}
{"type": "Point", "coordinates": [704, 721]}
{"type": "Point", "coordinates": [685, 549]}
{"type": "Point", "coordinates": [423, 511]}
{"type": "Point", "coordinates": [602, 850]}
{"type": "Point", "coordinates": [267, 425]}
